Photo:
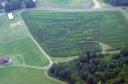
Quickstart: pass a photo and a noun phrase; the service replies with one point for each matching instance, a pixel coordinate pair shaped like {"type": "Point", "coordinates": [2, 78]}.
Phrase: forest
{"type": "Point", "coordinates": [10, 5]}
{"type": "Point", "coordinates": [118, 2]}
{"type": "Point", "coordinates": [91, 68]}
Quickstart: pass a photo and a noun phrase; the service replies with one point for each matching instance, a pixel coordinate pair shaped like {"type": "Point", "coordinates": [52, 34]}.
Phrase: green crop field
{"type": "Point", "coordinates": [72, 33]}
{"type": "Point", "coordinates": [66, 2]}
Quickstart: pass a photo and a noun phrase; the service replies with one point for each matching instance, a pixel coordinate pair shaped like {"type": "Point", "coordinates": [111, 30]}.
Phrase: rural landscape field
{"type": "Point", "coordinates": [70, 33]}
{"type": "Point", "coordinates": [63, 42]}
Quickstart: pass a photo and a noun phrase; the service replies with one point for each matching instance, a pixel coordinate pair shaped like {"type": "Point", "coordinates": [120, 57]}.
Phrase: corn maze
{"type": "Point", "coordinates": [64, 40]}
{"type": "Point", "coordinates": [63, 34]}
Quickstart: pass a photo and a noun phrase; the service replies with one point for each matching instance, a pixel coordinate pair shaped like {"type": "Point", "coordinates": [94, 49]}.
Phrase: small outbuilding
{"type": "Point", "coordinates": [10, 16]}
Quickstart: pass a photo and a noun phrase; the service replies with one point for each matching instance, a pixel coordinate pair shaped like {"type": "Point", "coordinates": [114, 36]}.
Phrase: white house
{"type": "Point", "coordinates": [10, 16]}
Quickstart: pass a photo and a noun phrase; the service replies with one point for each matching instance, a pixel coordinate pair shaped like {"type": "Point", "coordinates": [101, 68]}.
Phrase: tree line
{"type": "Point", "coordinates": [11, 5]}
{"type": "Point", "coordinates": [89, 68]}
{"type": "Point", "coordinates": [118, 2]}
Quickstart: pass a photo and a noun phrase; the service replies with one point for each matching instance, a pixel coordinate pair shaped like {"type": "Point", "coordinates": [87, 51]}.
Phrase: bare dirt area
{"type": "Point", "coordinates": [96, 4]}
{"type": "Point", "coordinates": [104, 46]}
{"type": "Point", "coordinates": [16, 24]}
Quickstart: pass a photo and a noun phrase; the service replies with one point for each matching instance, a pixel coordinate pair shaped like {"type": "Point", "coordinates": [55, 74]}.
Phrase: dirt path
{"type": "Point", "coordinates": [111, 52]}
{"type": "Point", "coordinates": [124, 13]}
{"type": "Point", "coordinates": [96, 4]}
{"type": "Point", "coordinates": [104, 46]}
{"type": "Point", "coordinates": [63, 59]}
{"type": "Point", "coordinates": [32, 67]}
{"type": "Point", "coordinates": [16, 24]}
{"type": "Point", "coordinates": [40, 48]}
{"type": "Point", "coordinates": [71, 10]}
{"type": "Point", "coordinates": [26, 66]}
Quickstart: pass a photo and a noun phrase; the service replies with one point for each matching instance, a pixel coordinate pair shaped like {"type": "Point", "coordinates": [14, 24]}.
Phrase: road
{"type": "Point", "coordinates": [75, 10]}
{"type": "Point", "coordinates": [27, 66]}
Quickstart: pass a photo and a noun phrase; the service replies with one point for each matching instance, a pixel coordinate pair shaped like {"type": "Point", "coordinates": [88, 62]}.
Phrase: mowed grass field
{"type": "Point", "coordinates": [15, 42]}
{"type": "Point", "coordinates": [19, 75]}
{"type": "Point", "coordinates": [66, 2]}
{"type": "Point", "coordinates": [72, 33]}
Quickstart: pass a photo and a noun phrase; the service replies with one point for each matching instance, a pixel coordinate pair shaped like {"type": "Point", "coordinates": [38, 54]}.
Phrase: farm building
{"type": "Point", "coordinates": [5, 60]}
{"type": "Point", "coordinates": [10, 16]}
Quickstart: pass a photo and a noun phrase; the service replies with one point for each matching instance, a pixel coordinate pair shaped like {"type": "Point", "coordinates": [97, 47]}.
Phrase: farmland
{"type": "Point", "coordinates": [61, 39]}
{"type": "Point", "coordinates": [27, 59]}
{"type": "Point", "coordinates": [16, 43]}
{"type": "Point", "coordinates": [71, 34]}
{"type": "Point", "coordinates": [19, 75]}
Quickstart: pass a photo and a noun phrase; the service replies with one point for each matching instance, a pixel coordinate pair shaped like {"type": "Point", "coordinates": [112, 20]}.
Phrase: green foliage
{"type": "Point", "coordinates": [1, 7]}
{"type": "Point", "coordinates": [11, 5]}
{"type": "Point", "coordinates": [118, 2]}
{"type": "Point", "coordinates": [91, 69]}
{"type": "Point", "coordinates": [14, 41]}
{"type": "Point", "coordinates": [72, 33]}
{"type": "Point", "coordinates": [30, 4]}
